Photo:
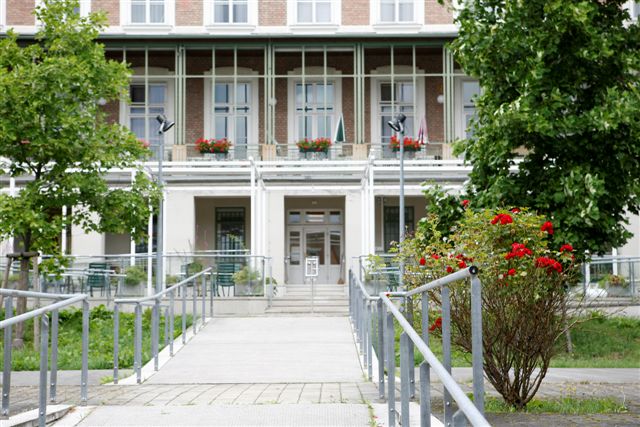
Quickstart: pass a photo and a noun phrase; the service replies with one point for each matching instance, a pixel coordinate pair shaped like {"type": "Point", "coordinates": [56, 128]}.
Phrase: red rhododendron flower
{"type": "Point", "coordinates": [567, 248]}
{"type": "Point", "coordinates": [435, 256]}
{"type": "Point", "coordinates": [449, 269]}
{"type": "Point", "coordinates": [503, 219]}
{"type": "Point", "coordinates": [549, 263]}
{"type": "Point", "coordinates": [462, 264]}
{"type": "Point", "coordinates": [465, 203]}
{"type": "Point", "coordinates": [423, 261]}
{"type": "Point", "coordinates": [437, 324]}
{"type": "Point", "coordinates": [516, 210]}
{"type": "Point", "coordinates": [511, 272]}
{"type": "Point", "coordinates": [548, 227]}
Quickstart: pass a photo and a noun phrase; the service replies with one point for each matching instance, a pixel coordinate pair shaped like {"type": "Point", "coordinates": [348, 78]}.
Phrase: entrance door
{"type": "Point", "coordinates": [324, 242]}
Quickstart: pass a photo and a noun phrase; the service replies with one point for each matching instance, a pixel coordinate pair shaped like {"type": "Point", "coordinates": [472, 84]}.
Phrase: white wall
{"type": "Point", "coordinates": [352, 230]}
{"type": "Point", "coordinates": [180, 221]}
{"type": "Point", "coordinates": [275, 236]}
{"type": "Point", "coordinates": [632, 248]}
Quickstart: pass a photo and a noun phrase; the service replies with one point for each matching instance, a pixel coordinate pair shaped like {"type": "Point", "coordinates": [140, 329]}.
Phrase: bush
{"type": "Point", "coordinates": [524, 291]}
{"type": "Point", "coordinates": [134, 276]}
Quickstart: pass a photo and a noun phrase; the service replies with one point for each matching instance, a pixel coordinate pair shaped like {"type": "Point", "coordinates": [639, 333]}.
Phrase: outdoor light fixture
{"type": "Point", "coordinates": [165, 124]}
{"type": "Point", "coordinates": [397, 124]}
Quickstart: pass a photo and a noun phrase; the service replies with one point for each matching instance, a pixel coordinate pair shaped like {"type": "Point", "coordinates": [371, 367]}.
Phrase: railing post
{"type": "Point", "coordinates": [391, 371]}
{"type": "Point", "coordinates": [44, 359]}
{"type": "Point", "coordinates": [84, 376]}
{"type": "Point", "coordinates": [211, 294]}
{"type": "Point", "coordinates": [412, 372]}
{"type": "Point", "coordinates": [166, 327]}
{"type": "Point", "coordinates": [184, 315]}
{"type": "Point", "coordinates": [116, 341]}
{"type": "Point", "coordinates": [203, 291]}
{"type": "Point", "coordinates": [53, 379]}
{"type": "Point", "coordinates": [406, 366]}
{"type": "Point", "coordinates": [476, 340]}
{"type": "Point", "coordinates": [155, 332]}
{"type": "Point", "coordinates": [194, 323]}
{"type": "Point", "coordinates": [171, 321]}
{"type": "Point", "coordinates": [446, 350]}
{"type": "Point", "coordinates": [361, 321]}
{"type": "Point", "coordinates": [6, 345]}
{"type": "Point", "coordinates": [137, 351]}
{"type": "Point", "coordinates": [425, 374]}
{"type": "Point", "coordinates": [381, 351]}
{"type": "Point", "coordinates": [369, 361]}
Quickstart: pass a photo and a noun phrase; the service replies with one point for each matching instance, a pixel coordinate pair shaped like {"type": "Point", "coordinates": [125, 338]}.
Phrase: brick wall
{"type": "Point", "coordinates": [355, 12]}
{"type": "Point", "coordinates": [20, 12]}
{"type": "Point", "coordinates": [273, 12]}
{"type": "Point", "coordinates": [435, 13]}
{"type": "Point", "coordinates": [189, 12]}
{"type": "Point", "coordinates": [110, 7]}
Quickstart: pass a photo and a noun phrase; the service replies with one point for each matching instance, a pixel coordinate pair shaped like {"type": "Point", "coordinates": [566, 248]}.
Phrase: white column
{"type": "Point", "coordinates": [132, 244]}
{"type": "Point", "coordinates": [371, 211]}
{"type": "Point", "coordinates": [63, 235]}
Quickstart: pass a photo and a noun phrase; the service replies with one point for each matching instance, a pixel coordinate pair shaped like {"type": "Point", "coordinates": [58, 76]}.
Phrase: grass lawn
{"type": "Point", "coordinates": [100, 340]}
{"type": "Point", "coordinates": [564, 406]}
{"type": "Point", "coordinates": [598, 342]}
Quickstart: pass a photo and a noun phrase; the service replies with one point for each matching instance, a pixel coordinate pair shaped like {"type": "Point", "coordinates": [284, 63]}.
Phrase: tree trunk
{"type": "Point", "coordinates": [21, 306]}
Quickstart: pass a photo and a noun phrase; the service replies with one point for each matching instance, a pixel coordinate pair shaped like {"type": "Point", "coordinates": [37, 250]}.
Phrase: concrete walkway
{"type": "Point", "coordinates": [259, 371]}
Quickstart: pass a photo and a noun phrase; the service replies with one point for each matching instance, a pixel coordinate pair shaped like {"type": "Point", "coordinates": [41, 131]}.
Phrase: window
{"type": "Point", "coordinates": [148, 12]}
{"type": "Point", "coordinates": [467, 91]}
{"type": "Point", "coordinates": [230, 229]}
{"type": "Point", "coordinates": [394, 99]}
{"type": "Point", "coordinates": [146, 103]}
{"type": "Point", "coordinates": [392, 224]}
{"type": "Point", "coordinates": [313, 11]}
{"type": "Point", "coordinates": [635, 10]}
{"type": "Point", "coordinates": [230, 11]}
{"type": "Point", "coordinates": [142, 247]}
{"type": "Point", "coordinates": [314, 110]}
{"type": "Point", "coordinates": [396, 11]}
{"type": "Point", "coordinates": [84, 8]}
{"type": "Point", "coordinates": [232, 115]}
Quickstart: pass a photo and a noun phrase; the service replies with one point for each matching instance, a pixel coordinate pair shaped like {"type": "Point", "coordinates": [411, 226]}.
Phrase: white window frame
{"type": "Point", "coordinates": [459, 122]}
{"type": "Point", "coordinates": [209, 22]}
{"type": "Point", "coordinates": [169, 81]}
{"type": "Point", "coordinates": [336, 16]}
{"type": "Point", "coordinates": [419, 96]}
{"type": "Point", "coordinates": [333, 76]}
{"type": "Point", "coordinates": [85, 9]}
{"type": "Point", "coordinates": [417, 22]}
{"type": "Point", "coordinates": [169, 17]}
{"type": "Point", "coordinates": [225, 75]}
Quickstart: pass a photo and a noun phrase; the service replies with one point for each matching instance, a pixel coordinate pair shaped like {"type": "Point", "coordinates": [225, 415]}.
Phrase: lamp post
{"type": "Point", "coordinates": [165, 125]}
{"type": "Point", "coordinates": [397, 124]}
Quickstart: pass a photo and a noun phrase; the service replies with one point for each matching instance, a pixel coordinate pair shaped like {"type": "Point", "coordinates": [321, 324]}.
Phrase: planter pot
{"type": "Point", "coordinates": [130, 290]}
{"type": "Point", "coordinates": [314, 155]}
{"type": "Point", "coordinates": [253, 288]}
{"type": "Point", "coordinates": [617, 291]}
{"type": "Point", "coordinates": [215, 156]}
{"type": "Point", "coordinates": [407, 154]}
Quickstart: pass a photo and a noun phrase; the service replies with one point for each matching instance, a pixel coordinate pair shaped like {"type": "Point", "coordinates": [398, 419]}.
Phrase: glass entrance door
{"type": "Point", "coordinates": [322, 241]}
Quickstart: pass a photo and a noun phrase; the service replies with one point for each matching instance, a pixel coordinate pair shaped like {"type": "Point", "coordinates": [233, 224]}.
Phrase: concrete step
{"type": "Point", "coordinates": [307, 309]}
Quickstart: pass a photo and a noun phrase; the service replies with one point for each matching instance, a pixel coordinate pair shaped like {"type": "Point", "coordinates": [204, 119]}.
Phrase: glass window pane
{"type": "Point", "coordinates": [298, 95]}
{"type": "Point", "coordinates": [136, 92]}
{"type": "Point", "coordinates": [242, 93]}
{"type": "Point", "coordinates": [157, 13]}
{"type": "Point", "coordinates": [221, 93]}
{"type": "Point", "coordinates": [221, 127]}
{"type": "Point", "coordinates": [315, 245]}
{"type": "Point", "coordinates": [241, 131]}
{"type": "Point", "coordinates": [304, 12]}
{"type": "Point", "coordinates": [138, 13]}
{"type": "Point", "coordinates": [387, 11]}
{"type": "Point", "coordinates": [405, 92]}
{"type": "Point", "coordinates": [156, 94]}
{"type": "Point", "coordinates": [323, 12]}
{"type": "Point", "coordinates": [308, 127]}
{"type": "Point", "coordinates": [294, 217]}
{"type": "Point", "coordinates": [314, 217]}
{"type": "Point", "coordinates": [221, 12]}
{"type": "Point", "coordinates": [137, 127]}
{"type": "Point", "coordinates": [294, 247]}
{"type": "Point", "coordinates": [469, 90]}
{"type": "Point", "coordinates": [155, 111]}
{"type": "Point", "coordinates": [405, 11]}
{"type": "Point", "coordinates": [335, 217]}
{"type": "Point", "coordinates": [385, 92]}
{"type": "Point", "coordinates": [240, 12]}
{"type": "Point", "coordinates": [335, 244]}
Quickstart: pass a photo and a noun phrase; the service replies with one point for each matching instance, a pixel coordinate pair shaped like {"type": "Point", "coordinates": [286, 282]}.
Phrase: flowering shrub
{"type": "Point", "coordinates": [213, 145]}
{"type": "Point", "coordinates": [409, 143]}
{"type": "Point", "coordinates": [314, 145]}
{"type": "Point", "coordinates": [524, 290]}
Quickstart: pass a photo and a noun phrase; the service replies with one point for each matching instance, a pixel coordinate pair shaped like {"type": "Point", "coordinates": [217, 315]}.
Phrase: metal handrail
{"type": "Point", "coordinates": [155, 319]}
{"type": "Point", "coordinates": [364, 308]}
{"type": "Point", "coordinates": [62, 301]}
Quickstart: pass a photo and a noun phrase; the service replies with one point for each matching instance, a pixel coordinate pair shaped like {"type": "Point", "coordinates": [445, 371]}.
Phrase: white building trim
{"type": "Point", "coordinates": [397, 26]}
{"type": "Point", "coordinates": [239, 28]}
{"type": "Point", "coordinates": [314, 27]}
{"type": "Point", "coordinates": [159, 28]}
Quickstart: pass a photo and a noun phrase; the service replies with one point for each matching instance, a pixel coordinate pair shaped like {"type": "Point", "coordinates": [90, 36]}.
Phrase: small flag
{"type": "Point", "coordinates": [339, 135]}
{"type": "Point", "coordinates": [423, 137]}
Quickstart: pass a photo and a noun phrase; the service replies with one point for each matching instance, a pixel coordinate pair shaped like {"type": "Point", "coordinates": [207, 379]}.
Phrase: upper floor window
{"type": "Point", "coordinates": [635, 10]}
{"type": "Point", "coordinates": [305, 12]}
{"type": "Point", "coordinates": [396, 11]}
{"type": "Point", "coordinates": [148, 12]}
{"type": "Point", "coordinates": [230, 11]}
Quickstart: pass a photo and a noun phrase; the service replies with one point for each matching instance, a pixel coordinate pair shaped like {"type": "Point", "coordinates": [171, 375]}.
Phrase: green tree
{"type": "Point", "coordinates": [559, 78]}
{"type": "Point", "coordinates": [54, 135]}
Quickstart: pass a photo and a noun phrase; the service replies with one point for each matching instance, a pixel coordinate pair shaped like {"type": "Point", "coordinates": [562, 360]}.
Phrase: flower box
{"type": "Point", "coordinates": [218, 147]}
{"type": "Point", "coordinates": [315, 149]}
{"type": "Point", "coordinates": [410, 145]}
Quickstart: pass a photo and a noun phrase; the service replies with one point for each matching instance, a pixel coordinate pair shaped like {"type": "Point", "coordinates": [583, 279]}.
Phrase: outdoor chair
{"type": "Point", "coordinates": [224, 278]}
{"type": "Point", "coordinates": [97, 277]}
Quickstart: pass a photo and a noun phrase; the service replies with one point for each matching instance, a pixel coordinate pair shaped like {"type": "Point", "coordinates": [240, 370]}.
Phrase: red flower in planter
{"type": "Point", "coordinates": [548, 227]}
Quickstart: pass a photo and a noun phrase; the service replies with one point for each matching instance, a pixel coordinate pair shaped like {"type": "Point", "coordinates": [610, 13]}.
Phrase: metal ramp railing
{"type": "Point", "coordinates": [374, 319]}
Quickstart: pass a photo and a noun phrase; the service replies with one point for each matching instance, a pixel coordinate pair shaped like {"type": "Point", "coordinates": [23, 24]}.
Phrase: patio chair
{"type": "Point", "coordinates": [97, 277]}
{"type": "Point", "coordinates": [224, 278]}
